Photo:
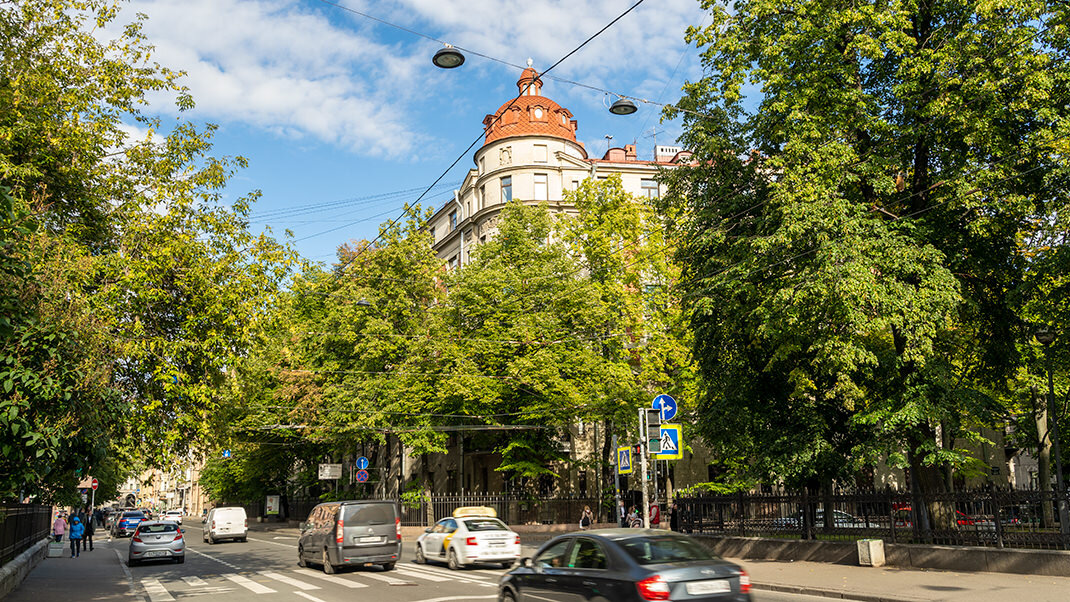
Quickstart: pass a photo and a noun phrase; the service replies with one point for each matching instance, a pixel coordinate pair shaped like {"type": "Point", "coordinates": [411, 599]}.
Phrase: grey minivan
{"type": "Point", "coordinates": [353, 533]}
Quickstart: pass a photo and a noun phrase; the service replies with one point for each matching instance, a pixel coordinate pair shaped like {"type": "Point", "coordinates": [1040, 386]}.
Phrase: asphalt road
{"type": "Point", "coordinates": [261, 570]}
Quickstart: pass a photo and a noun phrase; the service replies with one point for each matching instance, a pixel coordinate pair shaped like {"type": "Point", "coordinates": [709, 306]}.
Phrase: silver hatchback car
{"type": "Point", "coordinates": [157, 540]}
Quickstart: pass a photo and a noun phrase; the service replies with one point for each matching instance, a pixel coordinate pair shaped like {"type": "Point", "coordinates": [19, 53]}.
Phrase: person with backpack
{"type": "Point", "coordinates": [586, 518]}
{"type": "Point", "coordinates": [77, 530]}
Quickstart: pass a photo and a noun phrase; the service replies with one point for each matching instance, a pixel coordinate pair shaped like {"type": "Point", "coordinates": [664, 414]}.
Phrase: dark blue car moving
{"type": "Point", "coordinates": [624, 565]}
{"type": "Point", "coordinates": [127, 523]}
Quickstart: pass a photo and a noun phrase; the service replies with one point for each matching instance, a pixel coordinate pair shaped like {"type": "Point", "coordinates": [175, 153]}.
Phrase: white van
{"type": "Point", "coordinates": [226, 523]}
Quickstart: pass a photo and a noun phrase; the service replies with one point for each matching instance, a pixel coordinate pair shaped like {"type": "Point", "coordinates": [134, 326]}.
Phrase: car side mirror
{"type": "Point", "coordinates": [525, 562]}
{"type": "Point", "coordinates": [427, 530]}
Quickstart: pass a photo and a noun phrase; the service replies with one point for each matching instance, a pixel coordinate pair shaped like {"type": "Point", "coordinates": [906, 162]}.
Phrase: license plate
{"type": "Point", "coordinates": [155, 553]}
{"type": "Point", "coordinates": [718, 586]}
{"type": "Point", "coordinates": [497, 544]}
{"type": "Point", "coordinates": [369, 539]}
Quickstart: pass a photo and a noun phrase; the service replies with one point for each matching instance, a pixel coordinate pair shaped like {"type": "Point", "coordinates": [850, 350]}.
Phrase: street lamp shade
{"type": "Point", "coordinates": [1045, 336]}
{"type": "Point", "coordinates": [623, 106]}
{"type": "Point", "coordinates": [448, 58]}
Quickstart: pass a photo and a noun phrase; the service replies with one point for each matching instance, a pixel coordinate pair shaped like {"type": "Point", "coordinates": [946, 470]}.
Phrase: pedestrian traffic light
{"type": "Point", "coordinates": [638, 449]}
{"type": "Point", "coordinates": [653, 429]}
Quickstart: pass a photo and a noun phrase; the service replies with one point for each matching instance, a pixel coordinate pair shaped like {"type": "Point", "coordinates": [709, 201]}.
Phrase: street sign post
{"type": "Point", "coordinates": [624, 460]}
{"type": "Point", "coordinates": [667, 405]}
{"type": "Point", "coordinates": [672, 443]}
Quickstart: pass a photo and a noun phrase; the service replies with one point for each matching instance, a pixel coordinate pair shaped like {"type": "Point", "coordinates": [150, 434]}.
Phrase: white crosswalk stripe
{"type": "Point", "coordinates": [435, 574]}
{"type": "Point", "coordinates": [194, 581]}
{"type": "Point", "coordinates": [288, 580]}
{"type": "Point", "coordinates": [156, 591]}
{"type": "Point", "coordinates": [385, 578]}
{"type": "Point", "coordinates": [249, 584]}
{"type": "Point", "coordinates": [331, 578]}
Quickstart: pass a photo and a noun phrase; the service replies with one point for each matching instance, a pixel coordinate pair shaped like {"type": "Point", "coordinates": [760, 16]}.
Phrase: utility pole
{"type": "Point", "coordinates": [642, 453]}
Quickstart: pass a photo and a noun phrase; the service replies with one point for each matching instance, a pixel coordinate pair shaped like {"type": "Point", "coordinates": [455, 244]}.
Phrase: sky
{"type": "Point", "coordinates": [344, 119]}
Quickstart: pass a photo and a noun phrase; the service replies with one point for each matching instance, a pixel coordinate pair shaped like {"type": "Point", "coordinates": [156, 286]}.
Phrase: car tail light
{"type": "Point", "coordinates": [397, 526]}
{"type": "Point", "coordinates": [246, 523]}
{"type": "Point", "coordinates": [517, 542]}
{"type": "Point", "coordinates": [338, 531]}
{"type": "Point", "coordinates": [653, 588]}
{"type": "Point", "coordinates": [471, 541]}
{"type": "Point", "coordinates": [744, 582]}
{"type": "Point", "coordinates": [178, 535]}
{"type": "Point", "coordinates": [137, 536]}
{"type": "Point", "coordinates": [213, 524]}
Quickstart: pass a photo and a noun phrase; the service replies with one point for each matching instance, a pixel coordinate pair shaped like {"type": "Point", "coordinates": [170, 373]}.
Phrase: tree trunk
{"type": "Point", "coordinates": [1040, 413]}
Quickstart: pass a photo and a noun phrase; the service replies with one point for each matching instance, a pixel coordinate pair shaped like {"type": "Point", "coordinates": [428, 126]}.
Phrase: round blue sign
{"type": "Point", "coordinates": [362, 463]}
{"type": "Point", "coordinates": [667, 405]}
{"type": "Point", "coordinates": [362, 475]}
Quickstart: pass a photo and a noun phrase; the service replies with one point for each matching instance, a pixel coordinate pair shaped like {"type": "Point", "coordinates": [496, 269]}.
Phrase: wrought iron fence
{"type": "Point", "coordinates": [992, 517]}
{"type": "Point", "coordinates": [21, 526]}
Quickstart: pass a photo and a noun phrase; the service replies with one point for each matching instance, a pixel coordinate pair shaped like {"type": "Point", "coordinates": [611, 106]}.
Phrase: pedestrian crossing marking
{"type": "Point", "coordinates": [288, 580]}
{"type": "Point", "coordinates": [156, 591]}
{"type": "Point", "coordinates": [667, 443]}
{"type": "Point", "coordinates": [433, 574]}
{"type": "Point", "coordinates": [331, 578]}
{"type": "Point", "coordinates": [195, 581]}
{"type": "Point", "coordinates": [309, 597]}
{"type": "Point", "coordinates": [248, 583]}
{"type": "Point", "coordinates": [386, 579]}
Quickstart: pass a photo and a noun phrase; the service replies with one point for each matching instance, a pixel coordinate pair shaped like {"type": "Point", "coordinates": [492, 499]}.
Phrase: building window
{"type": "Point", "coordinates": [453, 262]}
{"type": "Point", "coordinates": [482, 164]}
{"type": "Point", "coordinates": [583, 483]}
{"type": "Point", "coordinates": [541, 153]}
{"type": "Point", "coordinates": [482, 196]}
{"type": "Point", "coordinates": [541, 193]}
{"type": "Point", "coordinates": [432, 231]}
{"type": "Point", "coordinates": [575, 184]}
{"type": "Point", "coordinates": [650, 189]}
{"type": "Point", "coordinates": [507, 189]}
{"type": "Point", "coordinates": [453, 221]}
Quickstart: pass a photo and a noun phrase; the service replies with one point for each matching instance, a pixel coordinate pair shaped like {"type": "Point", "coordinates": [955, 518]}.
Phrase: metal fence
{"type": "Point", "coordinates": [21, 526]}
{"type": "Point", "coordinates": [993, 517]}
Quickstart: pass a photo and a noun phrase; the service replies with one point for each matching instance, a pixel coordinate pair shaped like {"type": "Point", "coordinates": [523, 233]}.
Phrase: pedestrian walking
{"type": "Point", "coordinates": [622, 514]}
{"type": "Point", "coordinates": [90, 527]}
{"type": "Point", "coordinates": [77, 530]}
{"type": "Point", "coordinates": [633, 519]}
{"type": "Point", "coordinates": [59, 527]}
{"type": "Point", "coordinates": [674, 517]}
{"type": "Point", "coordinates": [586, 518]}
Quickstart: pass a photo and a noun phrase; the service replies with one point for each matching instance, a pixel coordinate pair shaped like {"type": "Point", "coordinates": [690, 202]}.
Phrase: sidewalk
{"type": "Point", "coordinates": [96, 575]}
{"type": "Point", "coordinates": [890, 584]}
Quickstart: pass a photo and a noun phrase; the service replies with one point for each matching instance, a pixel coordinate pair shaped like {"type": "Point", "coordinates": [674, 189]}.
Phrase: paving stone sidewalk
{"type": "Point", "coordinates": [890, 584]}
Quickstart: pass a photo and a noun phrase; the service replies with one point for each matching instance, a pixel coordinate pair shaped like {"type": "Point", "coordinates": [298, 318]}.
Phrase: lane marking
{"type": "Point", "coordinates": [156, 591]}
{"type": "Point", "coordinates": [211, 557]}
{"type": "Point", "coordinates": [386, 579]}
{"type": "Point", "coordinates": [451, 598]}
{"type": "Point", "coordinates": [285, 537]}
{"type": "Point", "coordinates": [288, 580]}
{"type": "Point", "coordinates": [195, 581]}
{"type": "Point", "coordinates": [331, 578]}
{"type": "Point", "coordinates": [248, 584]}
{"type": "Point", "coordinates": [435, 575]}
{"type": "Point", "coordinates": [129, 577]}
{"type": "Point", "coordinates": [274, 543]}
{"type": "Point", "coordinates": [308, 597]}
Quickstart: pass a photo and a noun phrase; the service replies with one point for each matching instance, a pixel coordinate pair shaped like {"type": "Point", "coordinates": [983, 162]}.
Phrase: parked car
{"type": "Point", "coordinates": [625, 565]}
{"type": "Point", "coordinates": [351, 533]}
{"type": "Point", "coordinates": [472, 535]}
{"type": "Point", "coordinates": [227, 522]}
{"type": "Point", "coordinates": [156, 540]}
{"type": "Point", "coordinates": [173, 515]}
{"type": "Point", "coordinates": [126, 523]}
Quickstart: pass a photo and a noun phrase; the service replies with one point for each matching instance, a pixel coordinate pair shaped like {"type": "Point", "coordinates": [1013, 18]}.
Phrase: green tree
{"type": "Point", "coordinates": [850, 247]}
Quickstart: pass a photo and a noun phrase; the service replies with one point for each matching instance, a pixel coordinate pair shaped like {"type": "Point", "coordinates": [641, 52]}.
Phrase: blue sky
{"type": "Point", "coordinates": [332, 107]}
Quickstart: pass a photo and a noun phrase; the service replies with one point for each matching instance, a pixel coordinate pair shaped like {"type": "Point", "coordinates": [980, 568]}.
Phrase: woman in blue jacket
{"type": "Point", "coordinates": [77, 530]}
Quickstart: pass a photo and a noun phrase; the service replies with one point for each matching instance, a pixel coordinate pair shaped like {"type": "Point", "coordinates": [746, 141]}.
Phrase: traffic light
{"type": "Point", "coordinates": [638, 449]}
{"type": "Point", "coordinates": [653, 429]}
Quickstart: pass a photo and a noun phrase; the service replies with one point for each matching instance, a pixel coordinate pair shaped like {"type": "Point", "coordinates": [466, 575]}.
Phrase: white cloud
{"type": "Point", "coordinates": [302, 69]}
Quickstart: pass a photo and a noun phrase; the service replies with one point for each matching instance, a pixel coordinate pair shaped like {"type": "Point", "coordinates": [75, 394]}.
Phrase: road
{"type": "Point", "coordinates": [262, 569]}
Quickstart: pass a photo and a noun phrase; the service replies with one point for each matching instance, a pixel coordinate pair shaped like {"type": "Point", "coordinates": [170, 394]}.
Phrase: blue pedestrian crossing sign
{"type": "Point", "coordinates": [624, 460]}
{"type": "Point", "coordinates": [672, 443]}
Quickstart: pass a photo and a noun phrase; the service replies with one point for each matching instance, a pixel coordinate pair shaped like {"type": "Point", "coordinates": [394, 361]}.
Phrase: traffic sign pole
{"type": "Point", "coordinates": [645, 443]}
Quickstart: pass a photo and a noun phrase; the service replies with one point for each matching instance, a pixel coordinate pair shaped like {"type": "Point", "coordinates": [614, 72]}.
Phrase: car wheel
{"type": "Point", "coordinates": [420, 558]}
{"type": "Point", "coordinates": [211, 540]}
{"type": "Point", "coordinates": [388, 566]}
{"type": "Point", "coordinates": [452, 561]}
{"type": "Point", "coordinates": [507, 565]}
{"type": "Point", "coordinates": [301, 557]}
{"type": "Point", "coordinates": [327, 566]}
{"type": "Point", "coordinates": [180, 559]}
{"type": "Point", "coordinates": [507, 596]}
{"type": "Point", "coordinates": [245, 539]}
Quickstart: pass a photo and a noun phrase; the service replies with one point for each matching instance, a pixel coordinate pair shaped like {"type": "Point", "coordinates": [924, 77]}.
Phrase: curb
{"type": "Point", "coordinates": [14, 572]}
{"type": "Point", "coordinates": [830, 593]}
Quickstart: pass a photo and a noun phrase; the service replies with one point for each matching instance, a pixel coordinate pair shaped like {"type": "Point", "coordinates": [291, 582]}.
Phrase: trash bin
{"type": "Point", "coordinates": [56, 549]}
{"type": "Point", "coordinates": [871, 552]}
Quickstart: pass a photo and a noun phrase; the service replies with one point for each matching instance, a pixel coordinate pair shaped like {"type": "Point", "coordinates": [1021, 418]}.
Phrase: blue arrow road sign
{"type": "Point", "coordinates": [362, 475]}
{"type": "Point", "coordinates": [226, 453]}
{"type": "Point", "coordinates": [362, 463]}
{"type": "Point", "coordinates": [667, 405]}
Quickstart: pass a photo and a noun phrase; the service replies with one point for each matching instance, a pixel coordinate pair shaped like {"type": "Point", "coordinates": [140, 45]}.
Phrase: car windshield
{"type": "Point", "coordinates": [369, 514]}
{"type": "Point", "coordinates": [656, 550]}
{"type": "Point", "coordinates": [485, 524]}
{"type": "Point", "coordinates": [158, 528]}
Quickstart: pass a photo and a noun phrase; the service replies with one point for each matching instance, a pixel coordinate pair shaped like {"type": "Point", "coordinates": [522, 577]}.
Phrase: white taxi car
{"type": "Point", "coordinates": [473, 535]}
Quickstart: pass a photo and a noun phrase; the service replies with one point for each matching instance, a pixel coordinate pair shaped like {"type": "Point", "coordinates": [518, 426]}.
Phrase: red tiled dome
{"type": "Point", "coordinates": [530, 114]}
